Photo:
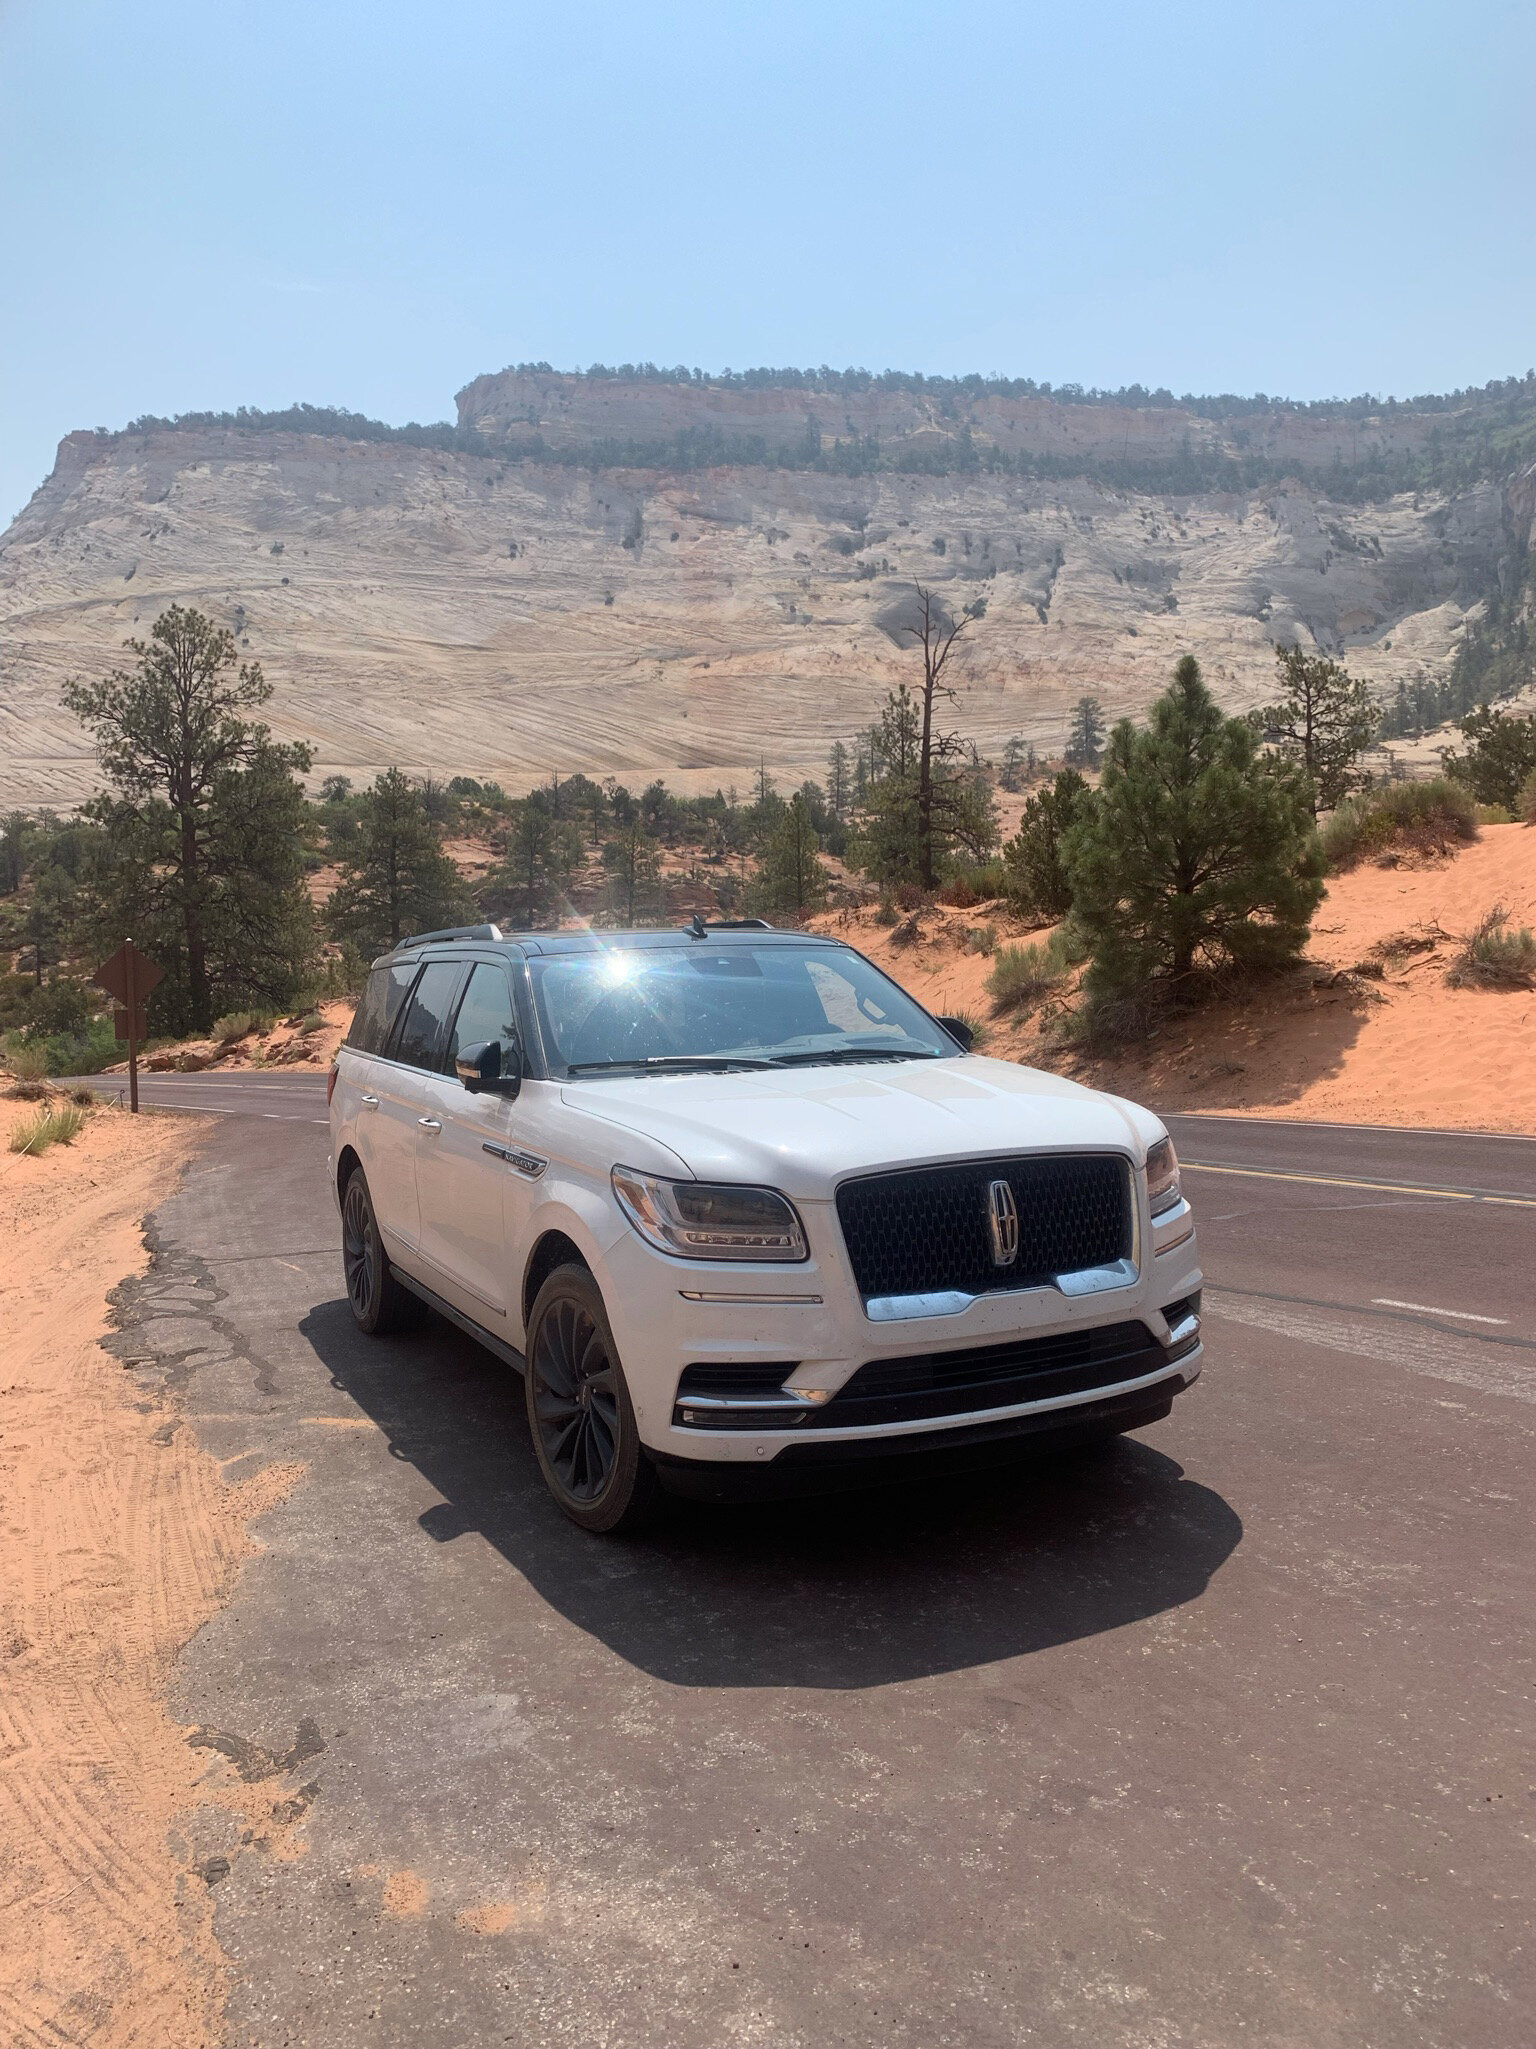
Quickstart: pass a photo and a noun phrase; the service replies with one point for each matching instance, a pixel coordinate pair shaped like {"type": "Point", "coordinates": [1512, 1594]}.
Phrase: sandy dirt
{"type": "Point", "coordinates": [119, 1540]}
{"type": "Point", "coordinates": [1327, 1043]}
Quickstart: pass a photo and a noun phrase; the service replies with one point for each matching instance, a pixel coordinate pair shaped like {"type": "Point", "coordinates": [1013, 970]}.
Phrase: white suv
{"type": "Point", "coordinates": [746, 1216]}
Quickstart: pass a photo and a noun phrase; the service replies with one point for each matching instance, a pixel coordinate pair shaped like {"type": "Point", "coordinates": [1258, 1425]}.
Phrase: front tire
{"type": "Point", "coordinates": [378, 1302]}
{"type": "Point", "coordinates": [579, 1412]}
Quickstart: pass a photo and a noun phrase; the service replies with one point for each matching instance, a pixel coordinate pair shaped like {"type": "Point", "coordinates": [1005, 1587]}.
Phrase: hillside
{"type": "Point", "coordinates": [1368, 1031]}
{"type": "Point", "coordinates": [498, 599]}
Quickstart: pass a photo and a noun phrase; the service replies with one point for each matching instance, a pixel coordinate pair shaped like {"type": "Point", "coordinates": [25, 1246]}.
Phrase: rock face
{"type": "Point", "coordinates": [499, 617]}
{"type": "Point", "coordinates": [575, 411]}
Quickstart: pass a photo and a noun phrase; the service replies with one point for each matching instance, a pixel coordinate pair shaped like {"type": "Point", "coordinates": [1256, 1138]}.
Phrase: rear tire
{"type": "Point", "coordinates": [378, 1302]}
{"type": "Point", "coordinates": [579, 1412]}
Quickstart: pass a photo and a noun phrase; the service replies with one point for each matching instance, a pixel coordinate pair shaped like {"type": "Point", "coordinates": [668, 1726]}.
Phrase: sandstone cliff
{"type": "Point", "coordinates": [494, 615]}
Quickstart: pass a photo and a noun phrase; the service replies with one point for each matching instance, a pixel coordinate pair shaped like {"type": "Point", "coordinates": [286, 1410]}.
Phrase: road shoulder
{"type": "Point", "coordinates": [123, 1540]}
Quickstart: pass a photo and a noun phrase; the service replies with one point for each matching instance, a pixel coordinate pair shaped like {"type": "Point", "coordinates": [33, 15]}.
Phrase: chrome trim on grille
{"type": "Point", "coordinates": [1089, 1280]}
{"type": "Point", "coordinates": [895, 1308]}
{"type": "Point", "coordinates": [1097, 1280]}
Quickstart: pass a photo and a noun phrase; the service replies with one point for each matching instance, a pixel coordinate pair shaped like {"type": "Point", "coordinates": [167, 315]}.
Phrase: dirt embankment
{"type": "Point", "coordinates": [290, 1043]}
{"type": "Point", "coordinates": [1369, 1032]}
{"type": "Point", "coordinates": [120, 1539]}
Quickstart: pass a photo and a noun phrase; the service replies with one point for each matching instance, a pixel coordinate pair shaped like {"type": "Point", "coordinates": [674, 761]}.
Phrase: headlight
{"type": "Point", "coordinates": [1163, 1177]}
{"type": "Point", "coordinates": [697, 1220]}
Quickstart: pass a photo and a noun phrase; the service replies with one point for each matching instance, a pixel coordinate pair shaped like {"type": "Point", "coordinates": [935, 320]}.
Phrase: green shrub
{"type": "Point", "coordinates": [980, 939]}
{"type": "Point", "coordinates": [87, 1052]}
{"type": "Point", "coordinates": [311, 1021]}
{"type": "Point", "coordinates": [52, 1125]}
{"type": "Point", "coordinates": [983, 883]}
{"type": "Point", "coordinates": [1494, 814]}
{"type": "Point", "coordinates": [1022, 975]}
{"type": "Point", "coordinates": [1492, 957]}
{"type": "Point", "coordinates": [62, 1007]}
{"type": "Point", "coordinates": [1432, 817]}
{"type": "Point", "coordinates": [1525, 803]}
{"type": "Point", "coordinates": [234, 1026]}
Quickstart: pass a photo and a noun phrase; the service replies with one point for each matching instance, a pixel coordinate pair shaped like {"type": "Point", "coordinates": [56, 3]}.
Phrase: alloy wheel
{"type": "Point", "coordinates": [575, 1400]}
{"type": "Point", "coordinates": [359, 1248]}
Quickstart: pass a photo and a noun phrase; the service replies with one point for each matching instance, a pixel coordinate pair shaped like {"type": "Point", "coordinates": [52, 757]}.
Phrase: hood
{"type": "Point", "coordinates": [806, 1129]}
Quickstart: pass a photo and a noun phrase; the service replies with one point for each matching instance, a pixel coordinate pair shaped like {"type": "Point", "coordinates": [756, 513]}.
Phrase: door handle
{"type": "Point", "coordinates": [369, 1102]}
{"type": "Point", "coordinates": [429, 1123]}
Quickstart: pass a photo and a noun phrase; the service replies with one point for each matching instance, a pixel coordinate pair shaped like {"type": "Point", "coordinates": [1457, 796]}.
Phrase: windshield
{"type": "Point", "coordinates": [643, 1008]}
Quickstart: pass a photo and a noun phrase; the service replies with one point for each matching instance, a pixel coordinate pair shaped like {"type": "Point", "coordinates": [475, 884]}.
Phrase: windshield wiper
{"type": "Point", "coordinates": [837, 1053]}
{"type": "Point", "coordinates": [661, 1063]}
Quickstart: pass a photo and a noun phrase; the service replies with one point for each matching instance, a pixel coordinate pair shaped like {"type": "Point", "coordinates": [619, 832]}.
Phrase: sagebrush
{"type": "Point", "coordinates": [1428, 818]}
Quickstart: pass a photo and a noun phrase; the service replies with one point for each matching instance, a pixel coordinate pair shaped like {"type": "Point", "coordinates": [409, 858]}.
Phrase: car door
{"type": "Point", "coordinates": [385, 1141]}
{"type": "Point", "coordinates": [405, 1115]}
{"type": "Point", "coordinates": [467, 1189]}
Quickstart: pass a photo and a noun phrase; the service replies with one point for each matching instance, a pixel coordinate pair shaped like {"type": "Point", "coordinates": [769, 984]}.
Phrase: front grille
{"type": "Point", "coordinates": [927, 1230]}
{"type": "Point", "coordinates": [991, 1376]}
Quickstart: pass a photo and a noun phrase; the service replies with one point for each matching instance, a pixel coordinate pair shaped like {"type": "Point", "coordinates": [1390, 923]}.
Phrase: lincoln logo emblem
{"type": "Point", "coordinates": [1003, 1222]}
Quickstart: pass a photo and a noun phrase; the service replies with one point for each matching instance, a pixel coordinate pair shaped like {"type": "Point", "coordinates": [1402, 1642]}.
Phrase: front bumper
{"type": "Point", "coordinates": [886, 1460]}
{"type": "Point", "coordinates": [802, 1334]}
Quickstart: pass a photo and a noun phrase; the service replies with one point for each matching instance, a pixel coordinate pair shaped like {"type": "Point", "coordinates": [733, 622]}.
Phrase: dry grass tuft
{"type": "Point", "coordinates": [1493, 957]}
{"type": "Point", "coordinates": [53, 1125]}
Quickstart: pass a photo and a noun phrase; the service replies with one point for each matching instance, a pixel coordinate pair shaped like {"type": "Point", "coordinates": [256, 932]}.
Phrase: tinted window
{"type": "Point", "coordinates": [386, 991]}
{"type": "Point", "coordinates": [425, 1024]}
{"type": "Point", "coordinates": [485, 1016]}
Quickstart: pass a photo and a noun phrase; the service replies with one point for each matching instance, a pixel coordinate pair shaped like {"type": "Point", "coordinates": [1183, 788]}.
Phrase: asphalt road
{"type": "Point", "coordinates": [1221, 1738]}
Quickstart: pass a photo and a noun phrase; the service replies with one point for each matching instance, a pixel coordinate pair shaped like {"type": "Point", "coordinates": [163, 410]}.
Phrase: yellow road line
{"type": "Point", "coordinates": [1380, 1187]}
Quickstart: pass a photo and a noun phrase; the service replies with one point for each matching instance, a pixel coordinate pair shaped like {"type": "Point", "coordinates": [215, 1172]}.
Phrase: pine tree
{"type": "Point", "coordinates": [791, 881]}
{"type": "Point", "coordinates": [942, 802]}
{"type": "Point", "coordinates": [1326, 720]}
{"type": "Point", "coordinates": [1499, 758]}
{"type": "Point", "coordinates": [908, 833]}
{"type": "Point", "coordinates": [1018, 761]}
{"type": "Point", "coordinates": [1085, 734]}
{"type": "Point", "coordinates": [397, 880]}
{"type": "Point", "coordinates": [1037, 875]}
{"type": "Point", "coordinates": [839, 782]}
{"type": "Point", "coordinates": [203, 823]}
{"type": "Point", "coordinates": [633, 861]}
{"type": "Point", "coordinates": [1197, 852]}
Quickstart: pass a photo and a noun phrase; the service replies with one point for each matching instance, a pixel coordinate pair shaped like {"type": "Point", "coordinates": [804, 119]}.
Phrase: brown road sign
{"type": "Point", "coordinates": [129, 974]}
{"type": "Point", "coordinates": [139, 1021]}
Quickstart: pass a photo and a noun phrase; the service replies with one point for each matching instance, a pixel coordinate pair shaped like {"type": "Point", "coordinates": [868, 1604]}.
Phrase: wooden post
{"type": "Point", "coordinates": [133, 1023]}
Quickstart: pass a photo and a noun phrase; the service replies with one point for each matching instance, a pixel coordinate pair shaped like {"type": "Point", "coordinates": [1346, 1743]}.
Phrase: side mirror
{"type": "Point", "coordinates": [959, 1031]}
{"type": "Point", "coordinates": [479, 1068]}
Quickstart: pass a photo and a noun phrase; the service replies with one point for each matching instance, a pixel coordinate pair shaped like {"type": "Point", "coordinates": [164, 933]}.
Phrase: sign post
{"type": "Point", "coordinates": [129, 976]}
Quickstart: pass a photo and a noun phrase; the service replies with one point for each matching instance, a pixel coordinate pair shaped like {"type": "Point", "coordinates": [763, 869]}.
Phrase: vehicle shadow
{"type": "Point", "coordinates": [856, 1591]}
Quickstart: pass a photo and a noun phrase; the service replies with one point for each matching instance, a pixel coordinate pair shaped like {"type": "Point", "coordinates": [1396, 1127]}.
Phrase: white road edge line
{"type": "Point", "coordinates": [1426, 1309]}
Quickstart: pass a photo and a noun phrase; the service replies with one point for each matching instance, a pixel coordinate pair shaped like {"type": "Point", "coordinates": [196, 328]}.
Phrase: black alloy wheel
{"type": "Point", "coordinates": [579, 1411]}
{"type": "Point", "coordinates": [378, 1302]}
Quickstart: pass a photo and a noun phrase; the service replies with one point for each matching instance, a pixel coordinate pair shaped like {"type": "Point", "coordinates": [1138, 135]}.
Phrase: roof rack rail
{"type": "Point", "coordinates": [454, 932]}
{"type": "Point", "coordinates": [699, 927]}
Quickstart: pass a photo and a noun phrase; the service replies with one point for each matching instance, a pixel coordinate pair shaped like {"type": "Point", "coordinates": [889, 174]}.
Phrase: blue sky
{"type": "Point", "coordinates": [366, 205]}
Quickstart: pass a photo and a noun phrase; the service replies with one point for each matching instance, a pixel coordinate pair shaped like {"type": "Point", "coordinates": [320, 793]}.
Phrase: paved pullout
{"type": "Point", "coordinates": [1218, 1738]}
